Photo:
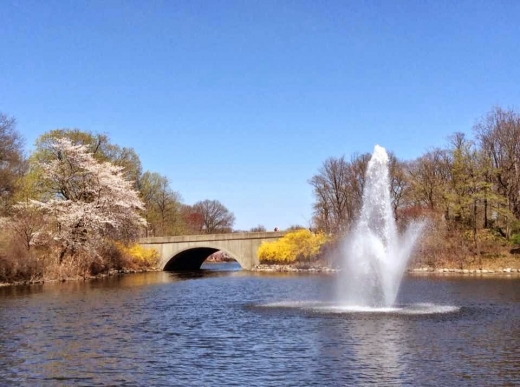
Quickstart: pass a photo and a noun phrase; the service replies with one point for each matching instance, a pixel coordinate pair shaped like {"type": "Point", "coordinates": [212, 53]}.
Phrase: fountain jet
{"type": "Point", "coordinates": [375, 254]}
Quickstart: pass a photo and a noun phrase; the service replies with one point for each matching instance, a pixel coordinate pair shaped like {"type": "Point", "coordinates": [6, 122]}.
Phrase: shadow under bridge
{"type": "Point", "coordinates": [188, 252]}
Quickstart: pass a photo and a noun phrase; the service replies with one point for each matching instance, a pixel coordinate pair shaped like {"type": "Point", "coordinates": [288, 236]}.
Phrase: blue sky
{"type": "Point", "coordinates": [242, 101]}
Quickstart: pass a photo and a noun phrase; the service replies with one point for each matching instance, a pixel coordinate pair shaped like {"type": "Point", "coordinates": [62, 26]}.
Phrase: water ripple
{"type": "Point", "coordinates": [229, 330]}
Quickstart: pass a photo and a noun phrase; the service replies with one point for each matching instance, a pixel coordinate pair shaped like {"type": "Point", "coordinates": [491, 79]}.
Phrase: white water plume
{"type": "Point", "coordinates": [375, 254]}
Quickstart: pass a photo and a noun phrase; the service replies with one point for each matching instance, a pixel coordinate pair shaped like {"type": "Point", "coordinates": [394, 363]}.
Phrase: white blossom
{"type": "Point", "coordinates": [90, 200]}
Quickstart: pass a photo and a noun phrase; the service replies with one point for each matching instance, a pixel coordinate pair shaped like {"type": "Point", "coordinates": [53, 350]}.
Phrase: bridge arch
{"type": "Point", "coordinates": [175, 251]}
{"type": "Point", "coordinates": [192, 258]}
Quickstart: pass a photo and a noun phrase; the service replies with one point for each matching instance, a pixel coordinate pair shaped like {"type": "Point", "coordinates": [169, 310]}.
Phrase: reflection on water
{"type": "Point", "coordinates": [222, 326]}
{"type": "Point", "coordinates": [378, 347]}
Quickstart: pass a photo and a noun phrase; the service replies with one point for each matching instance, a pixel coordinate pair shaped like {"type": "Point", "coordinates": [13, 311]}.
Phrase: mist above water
{"type": "Point", "coordinates": [375, 254]}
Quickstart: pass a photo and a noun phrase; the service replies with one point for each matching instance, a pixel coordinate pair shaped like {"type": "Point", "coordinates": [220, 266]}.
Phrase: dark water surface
{"type": "Point", "coordinates": [224, 327]}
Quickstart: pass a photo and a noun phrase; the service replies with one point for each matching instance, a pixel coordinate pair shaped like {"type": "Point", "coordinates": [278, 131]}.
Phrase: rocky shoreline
{"type": "Point", "coordinates": [420, 270]}
{"type": "Point", "coordinates": [508, 270]}
{"type": "Point", "coordinates": [294, 269]}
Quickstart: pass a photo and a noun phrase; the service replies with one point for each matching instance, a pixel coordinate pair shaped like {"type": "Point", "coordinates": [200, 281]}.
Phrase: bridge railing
{"type": "Point", "coordinates": [213, 237]}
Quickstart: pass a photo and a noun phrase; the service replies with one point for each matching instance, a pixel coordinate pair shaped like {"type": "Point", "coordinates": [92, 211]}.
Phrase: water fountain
{"type": "Point", "coordinates": [375, 253]}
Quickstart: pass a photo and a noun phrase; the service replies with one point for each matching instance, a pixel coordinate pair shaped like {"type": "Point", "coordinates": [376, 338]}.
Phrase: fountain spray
{"type": "Point", "coordinates": [375, 254]}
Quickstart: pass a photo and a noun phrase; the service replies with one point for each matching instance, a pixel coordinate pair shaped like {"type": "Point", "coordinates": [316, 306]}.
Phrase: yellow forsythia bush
{"type": "Point", "coordinates": [139, 255]}
{"type": "Point", "coordinates": [300, 245]}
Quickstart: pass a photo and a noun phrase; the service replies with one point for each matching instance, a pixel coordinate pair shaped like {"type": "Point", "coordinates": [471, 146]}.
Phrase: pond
{"type": "Point", "coordinates": [226, 327]}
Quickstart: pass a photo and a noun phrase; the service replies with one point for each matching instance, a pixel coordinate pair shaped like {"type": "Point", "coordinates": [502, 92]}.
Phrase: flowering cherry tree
{"type": "Point", "coordinates": [88, 201]}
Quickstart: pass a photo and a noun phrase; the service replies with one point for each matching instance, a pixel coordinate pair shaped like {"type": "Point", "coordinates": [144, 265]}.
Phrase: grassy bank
{"type": "Point", "coordinates": [39, 265]}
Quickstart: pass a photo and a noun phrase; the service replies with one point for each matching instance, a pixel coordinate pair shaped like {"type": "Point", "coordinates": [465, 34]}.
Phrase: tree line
{"type": "Point", "coordinates": [470, 188]}
{"type": "Point", "coordinates": [76, 203]}
{"type": "Point", "coordinates": [78, 200]}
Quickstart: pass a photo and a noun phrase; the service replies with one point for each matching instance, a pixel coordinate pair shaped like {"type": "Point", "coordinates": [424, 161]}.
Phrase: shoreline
{"type": "Point", "coordinates": [111, 273]}
{"type": "Point", "coordinates": [263, 268]}
{"type": "Point", "coordinates": [430, 270]}
{"type": "Point", "coordinates": [416, 270]}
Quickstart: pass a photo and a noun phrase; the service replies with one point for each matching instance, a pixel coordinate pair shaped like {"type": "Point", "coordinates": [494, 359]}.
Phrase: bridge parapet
{"type": "Point", "coordinates": [190, 251]}
{"type": "Point", "coordinates": [213, 237]}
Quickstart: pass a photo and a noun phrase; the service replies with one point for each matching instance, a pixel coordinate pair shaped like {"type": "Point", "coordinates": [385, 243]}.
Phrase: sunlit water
{"type": "Point", "coordinates": [325, 307]}
{"type": "Point", "coordinates": [234, 328]}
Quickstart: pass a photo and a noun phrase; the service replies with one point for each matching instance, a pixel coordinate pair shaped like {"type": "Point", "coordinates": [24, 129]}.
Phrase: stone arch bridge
{"type": "Point", "coordinates": [188, 252]}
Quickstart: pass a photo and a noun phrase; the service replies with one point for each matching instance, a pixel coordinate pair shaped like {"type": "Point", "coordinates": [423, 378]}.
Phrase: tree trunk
{"type": "Point", "coordinates": [486, 222]}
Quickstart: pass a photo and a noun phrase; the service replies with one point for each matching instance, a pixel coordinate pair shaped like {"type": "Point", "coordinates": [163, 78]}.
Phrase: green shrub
{"type": "Point", "coordinates": [515, 238]}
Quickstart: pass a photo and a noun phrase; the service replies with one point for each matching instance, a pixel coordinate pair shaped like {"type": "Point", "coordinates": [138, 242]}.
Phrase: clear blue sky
{"type": "Point", "coordinates": [242, 101]}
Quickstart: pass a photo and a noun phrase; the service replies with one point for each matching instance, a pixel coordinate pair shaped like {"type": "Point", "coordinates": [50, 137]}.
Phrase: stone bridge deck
{"type": "Point", "coordinates": [188, 252]}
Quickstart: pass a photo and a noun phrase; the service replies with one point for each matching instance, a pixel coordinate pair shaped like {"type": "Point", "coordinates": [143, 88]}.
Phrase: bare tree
{"type": "Point", "coordinates": [216, 218]}
{"type": "Point", "coordinates": [338, 190]}
{"type": "Point", "coordinates": [398, 183]}
{"type": "Point", "coordinates": [359, 165]}
{"type": "Point", "coordinates": [193, 220]}
{"type": "Point", "coordinates": [330, 191]}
